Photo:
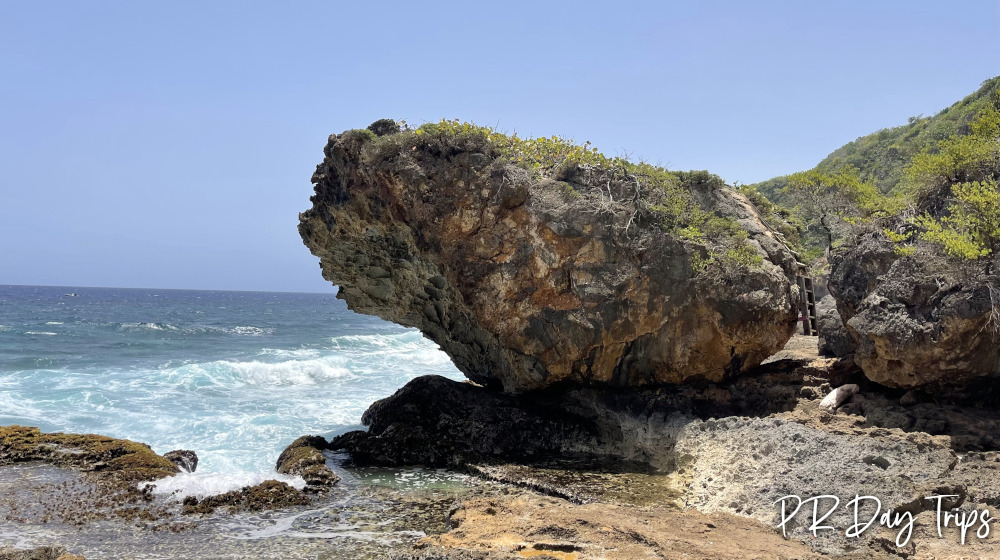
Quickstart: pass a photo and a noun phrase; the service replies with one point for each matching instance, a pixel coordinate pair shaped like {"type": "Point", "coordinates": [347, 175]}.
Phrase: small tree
{"type": "Point", "coordinates": [834, 201]}
{"type": "Point", "coordinates": [971, 228]}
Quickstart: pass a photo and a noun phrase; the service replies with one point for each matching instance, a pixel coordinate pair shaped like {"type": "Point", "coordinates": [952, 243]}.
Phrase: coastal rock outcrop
{"type": "Point", "coordinates": [834, 338]}
{"type": "Point", "coordinates": [118, 461]}
{"type": "Point", "coordinates": [185, 459]}
{"type": "Point", "coordinates": [435, 421]}
{"type": "Point", "coordinates": [531, 270]}
{"type": "Point", "coordinates": [918, 321]}
{"type": "Point", "coordinates": [304, 457]}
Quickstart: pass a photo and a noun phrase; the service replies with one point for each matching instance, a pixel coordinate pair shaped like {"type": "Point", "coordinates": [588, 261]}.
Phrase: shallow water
{"type": "Point", "coordinates": [369, 514]}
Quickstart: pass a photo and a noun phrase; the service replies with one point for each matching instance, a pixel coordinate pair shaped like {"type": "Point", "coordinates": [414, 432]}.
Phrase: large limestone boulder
{"type": "Point", "coordinates": [918, 321]}
{"type": "Point", "coordinates": [530, 277]}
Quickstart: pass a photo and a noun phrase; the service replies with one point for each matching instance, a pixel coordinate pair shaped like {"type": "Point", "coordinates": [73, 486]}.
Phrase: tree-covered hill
{"type": "Point", "coordinates": [935, 175]}
{"type": "Point", "coordinates": [883, 155]}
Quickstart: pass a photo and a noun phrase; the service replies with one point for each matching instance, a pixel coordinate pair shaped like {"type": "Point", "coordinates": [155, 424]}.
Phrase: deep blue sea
{"type": "Point", "coordinates": [235, 376]}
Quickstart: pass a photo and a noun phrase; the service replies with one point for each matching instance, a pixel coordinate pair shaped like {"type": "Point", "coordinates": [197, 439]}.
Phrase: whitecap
{"type": "Point", "coordinates": [251, 330]}
{"type": "Point", "coordinates": [299, 354]}
{"type": "Point", "coordinates": [269, 374]}
{"type": "Point", "coordinates": [54, 323]}
{"type": "Point", "coordinates": [41, 333]}
{"type": "Point", "coordinates": [204, 484]}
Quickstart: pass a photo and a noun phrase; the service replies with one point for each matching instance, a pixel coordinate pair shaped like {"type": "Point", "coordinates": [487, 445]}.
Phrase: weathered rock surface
{"type": "Point", "coordinates": [917, 322]}
{"type": "Point", "coordinates": [40, 553]}
{"type": "Point", "coordinates": [731, 448]}
{"type": "Point", "coordinates": [436, 421]}
{"type": "Point", "coordinates": [119, 461]}
{"type": "Point", "coordinates": [528, 525]}
{"type": "Point", "coordinates": [185, 459]}
{"type": "Point", "coordinates": [304, 457]}
{"type": "Point", "coordinates": [834, 338]}
{"type": "Point", "coordinates": [528, 281]}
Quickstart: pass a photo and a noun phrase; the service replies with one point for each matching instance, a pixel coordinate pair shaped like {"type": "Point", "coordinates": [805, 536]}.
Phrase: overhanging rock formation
{"type": "Point", "coordinates": [561, 269]}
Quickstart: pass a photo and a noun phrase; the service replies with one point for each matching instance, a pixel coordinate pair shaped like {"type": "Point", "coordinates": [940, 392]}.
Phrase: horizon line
{"type": "Point", "coordinates": [164, 289]}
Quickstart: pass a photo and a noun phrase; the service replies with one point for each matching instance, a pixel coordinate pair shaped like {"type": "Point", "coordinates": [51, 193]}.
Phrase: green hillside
{"type": "Point", "coordinates": [883, 155]}
{"type": "Point", "coordinates": [937, 174]}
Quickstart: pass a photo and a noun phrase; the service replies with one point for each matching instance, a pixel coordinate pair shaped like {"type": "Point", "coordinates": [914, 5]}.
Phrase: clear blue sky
{"type": "Point", "coordinates": [170, 144]}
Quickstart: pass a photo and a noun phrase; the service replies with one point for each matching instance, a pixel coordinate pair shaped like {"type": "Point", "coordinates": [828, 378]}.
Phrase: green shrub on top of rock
{"type": "Point", "coordinates": [651, 194]}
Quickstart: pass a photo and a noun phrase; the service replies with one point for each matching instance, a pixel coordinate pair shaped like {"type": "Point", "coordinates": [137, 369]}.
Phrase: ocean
{"type": "Point", "coordinates": [234, 376]}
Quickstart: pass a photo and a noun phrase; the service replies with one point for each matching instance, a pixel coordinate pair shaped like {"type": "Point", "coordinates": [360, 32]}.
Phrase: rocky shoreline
{"type": "Point", "coordinates": [642, 473]}
{"type": "Point", "coordinates": [634, 387]}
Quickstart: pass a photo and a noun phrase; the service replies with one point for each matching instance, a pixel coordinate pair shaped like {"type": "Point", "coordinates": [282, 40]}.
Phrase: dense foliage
{"type": "Point", "coordinates": [883, 156]}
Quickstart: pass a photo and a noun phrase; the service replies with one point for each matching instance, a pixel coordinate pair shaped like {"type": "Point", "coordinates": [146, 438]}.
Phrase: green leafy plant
{"type": "Point", "coordinates": [971, 228]}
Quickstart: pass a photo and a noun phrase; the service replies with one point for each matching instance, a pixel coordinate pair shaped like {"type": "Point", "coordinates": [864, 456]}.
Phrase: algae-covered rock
{"type": "Point", "coordinates": [270, 494]}
{"type": "Point", "coordinates": [537, 262]}
{"type": "Point", "coordinates": [116, 460]}
{"type": "Point", "coordinates": [304, 457]}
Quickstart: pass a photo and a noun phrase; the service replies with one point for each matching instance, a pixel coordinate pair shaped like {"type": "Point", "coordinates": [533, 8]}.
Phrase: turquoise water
{"type": "Point", "coordinates": [235, 376]}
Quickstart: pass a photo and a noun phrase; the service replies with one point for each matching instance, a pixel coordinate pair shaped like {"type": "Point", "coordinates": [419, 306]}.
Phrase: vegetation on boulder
{"type": "Point", "coordinates": [654, 194]}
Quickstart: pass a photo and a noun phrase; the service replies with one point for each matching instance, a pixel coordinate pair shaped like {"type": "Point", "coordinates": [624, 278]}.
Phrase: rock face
{"type": "Point", "coordinates": [834, 338]}
{"type": "Point", "coordinates": [439, 422]}
{"type": "Point", "coordinates": [917, 322]}
{"type": "Point", "coordinates": [528, 280]}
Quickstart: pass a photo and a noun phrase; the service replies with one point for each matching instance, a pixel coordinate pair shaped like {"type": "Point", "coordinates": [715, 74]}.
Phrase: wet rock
{"type": "Point", "coordinates": [185, 459]}
{"type": "Point", "coordinates": [268, 495]}
{"type": "Point", "coordinates": [304, 457]}
{"type": "Point", "coordinates": [117, 461]}
{"type": "Point", "coordinates": [527, 281]}
{"type": "Point", "coordinates": [834, 338]}
{"type": "Point", "coordinates": [918, 321]}
{"type": "Point", "coordinates": [40, 553]}
{"type": "Point", "coordinates": [436, 421]}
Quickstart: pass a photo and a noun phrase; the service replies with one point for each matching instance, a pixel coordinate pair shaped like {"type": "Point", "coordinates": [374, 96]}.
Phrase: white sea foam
{"type": "Point", "coordinates": [54, 323]}
{"type": "Point", "coordinates": [147, 327]}
{"type": "Point", "coordinates": [251, 330]}
{"type": "Point", "coordinates": [270, 374]}
{"type": "Point", "coordinates": [202, 484]}
{"type": "Point", "coordinates": [299, 354]}
{"type": "Point", "coordinates": [45, 333]}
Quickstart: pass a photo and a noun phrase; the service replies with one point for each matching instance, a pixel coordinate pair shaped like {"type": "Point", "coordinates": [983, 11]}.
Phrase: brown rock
{"type": "Point", "coordinates": [268, 495]}
{"type": "Point", "coordinates": [526, 280]}
{"type": "Point", "coordinates": [185, 459]}
{"type": "Point", "coordinates": [304, 458]}
{"type": "Point", "coordinates": [535, 526]}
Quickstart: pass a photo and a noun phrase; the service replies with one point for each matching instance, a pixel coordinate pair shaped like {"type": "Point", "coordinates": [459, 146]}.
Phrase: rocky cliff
{"type": "Point", "coordinates": [536, 263]}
